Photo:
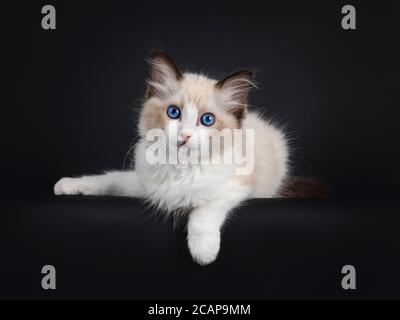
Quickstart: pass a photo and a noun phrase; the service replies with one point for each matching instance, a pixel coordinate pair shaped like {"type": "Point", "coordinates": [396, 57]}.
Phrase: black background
{"type": "Point", "coordinates": [271, 249]}
{"type": "Point", "coordinates": [70, 96]}
{"type": "Point", "coordinates": [68, 108]}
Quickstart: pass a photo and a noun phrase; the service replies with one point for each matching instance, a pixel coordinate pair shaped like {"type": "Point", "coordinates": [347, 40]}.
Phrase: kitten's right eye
{"type": "Point", "coordinates": [173, 112]}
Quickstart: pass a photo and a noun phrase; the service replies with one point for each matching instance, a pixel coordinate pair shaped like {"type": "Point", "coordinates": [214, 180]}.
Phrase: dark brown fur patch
{"type": "Point", "coordinates": [303, 187]}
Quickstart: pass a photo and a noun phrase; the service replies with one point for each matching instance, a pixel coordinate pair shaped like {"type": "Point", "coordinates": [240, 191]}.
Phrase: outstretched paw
{"type": "Point", "coordinates": [74, 186]}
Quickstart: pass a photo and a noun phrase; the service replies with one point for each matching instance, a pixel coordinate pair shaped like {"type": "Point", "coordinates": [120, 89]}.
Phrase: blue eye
{"type": "Point", "coordinates": [173, 112]}
{"type": "Point", "coordinates": [208, 119]}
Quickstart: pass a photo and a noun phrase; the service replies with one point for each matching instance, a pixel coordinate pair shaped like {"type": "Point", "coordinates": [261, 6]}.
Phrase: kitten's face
{"type": "Point", "coordinates": [192, 109]}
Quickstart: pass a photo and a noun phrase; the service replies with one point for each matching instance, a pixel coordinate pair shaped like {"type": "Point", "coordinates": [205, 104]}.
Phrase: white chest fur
{"type": "Point", "coordinates": [171, 187]}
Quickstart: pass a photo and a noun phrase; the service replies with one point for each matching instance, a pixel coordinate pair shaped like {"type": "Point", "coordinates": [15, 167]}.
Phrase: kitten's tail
{"type": "Point", "coordinates": [303, 187]}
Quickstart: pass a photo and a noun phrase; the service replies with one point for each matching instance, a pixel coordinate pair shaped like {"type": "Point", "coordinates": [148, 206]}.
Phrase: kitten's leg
{"type": "Point", "coordinates": [118, 183]}
{"type": "Point", "coordinates": [205, 223]}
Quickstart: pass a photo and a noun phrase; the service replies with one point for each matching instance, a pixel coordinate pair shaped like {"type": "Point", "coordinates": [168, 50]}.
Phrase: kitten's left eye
{"type": "Point", "coordinates": [207, 119]}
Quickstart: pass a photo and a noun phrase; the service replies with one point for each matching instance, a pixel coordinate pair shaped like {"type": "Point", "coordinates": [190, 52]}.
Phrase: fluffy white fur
{"type": "Point", "coordinates": [209, 191]}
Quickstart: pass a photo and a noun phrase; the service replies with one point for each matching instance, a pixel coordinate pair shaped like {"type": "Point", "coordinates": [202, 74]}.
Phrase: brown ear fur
{"type": "Point", "coordinates": [159, 63]}
{"type": "Point", "coordinates": [238, 84]}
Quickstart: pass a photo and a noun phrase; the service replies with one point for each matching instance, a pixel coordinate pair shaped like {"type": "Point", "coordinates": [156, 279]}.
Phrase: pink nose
{"type": "Point", "coordinates": [184, 137]}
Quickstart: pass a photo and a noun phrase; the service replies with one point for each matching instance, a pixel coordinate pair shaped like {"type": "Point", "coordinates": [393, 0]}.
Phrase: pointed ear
{"type": "Point", "coordinates": [164, 75]}
{"type": "Point", "coordinates": [234, 90]}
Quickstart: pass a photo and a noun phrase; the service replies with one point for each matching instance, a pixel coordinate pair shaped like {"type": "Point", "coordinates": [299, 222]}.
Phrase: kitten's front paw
{"type": "Point", "coordinates": [204, 248]}
{"type": "Point", "coordinates": [74, 186]}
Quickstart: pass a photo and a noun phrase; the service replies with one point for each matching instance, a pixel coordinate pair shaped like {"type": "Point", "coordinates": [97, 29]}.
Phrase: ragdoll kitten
{"type": "Point", "coordinates": [199, 109]}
